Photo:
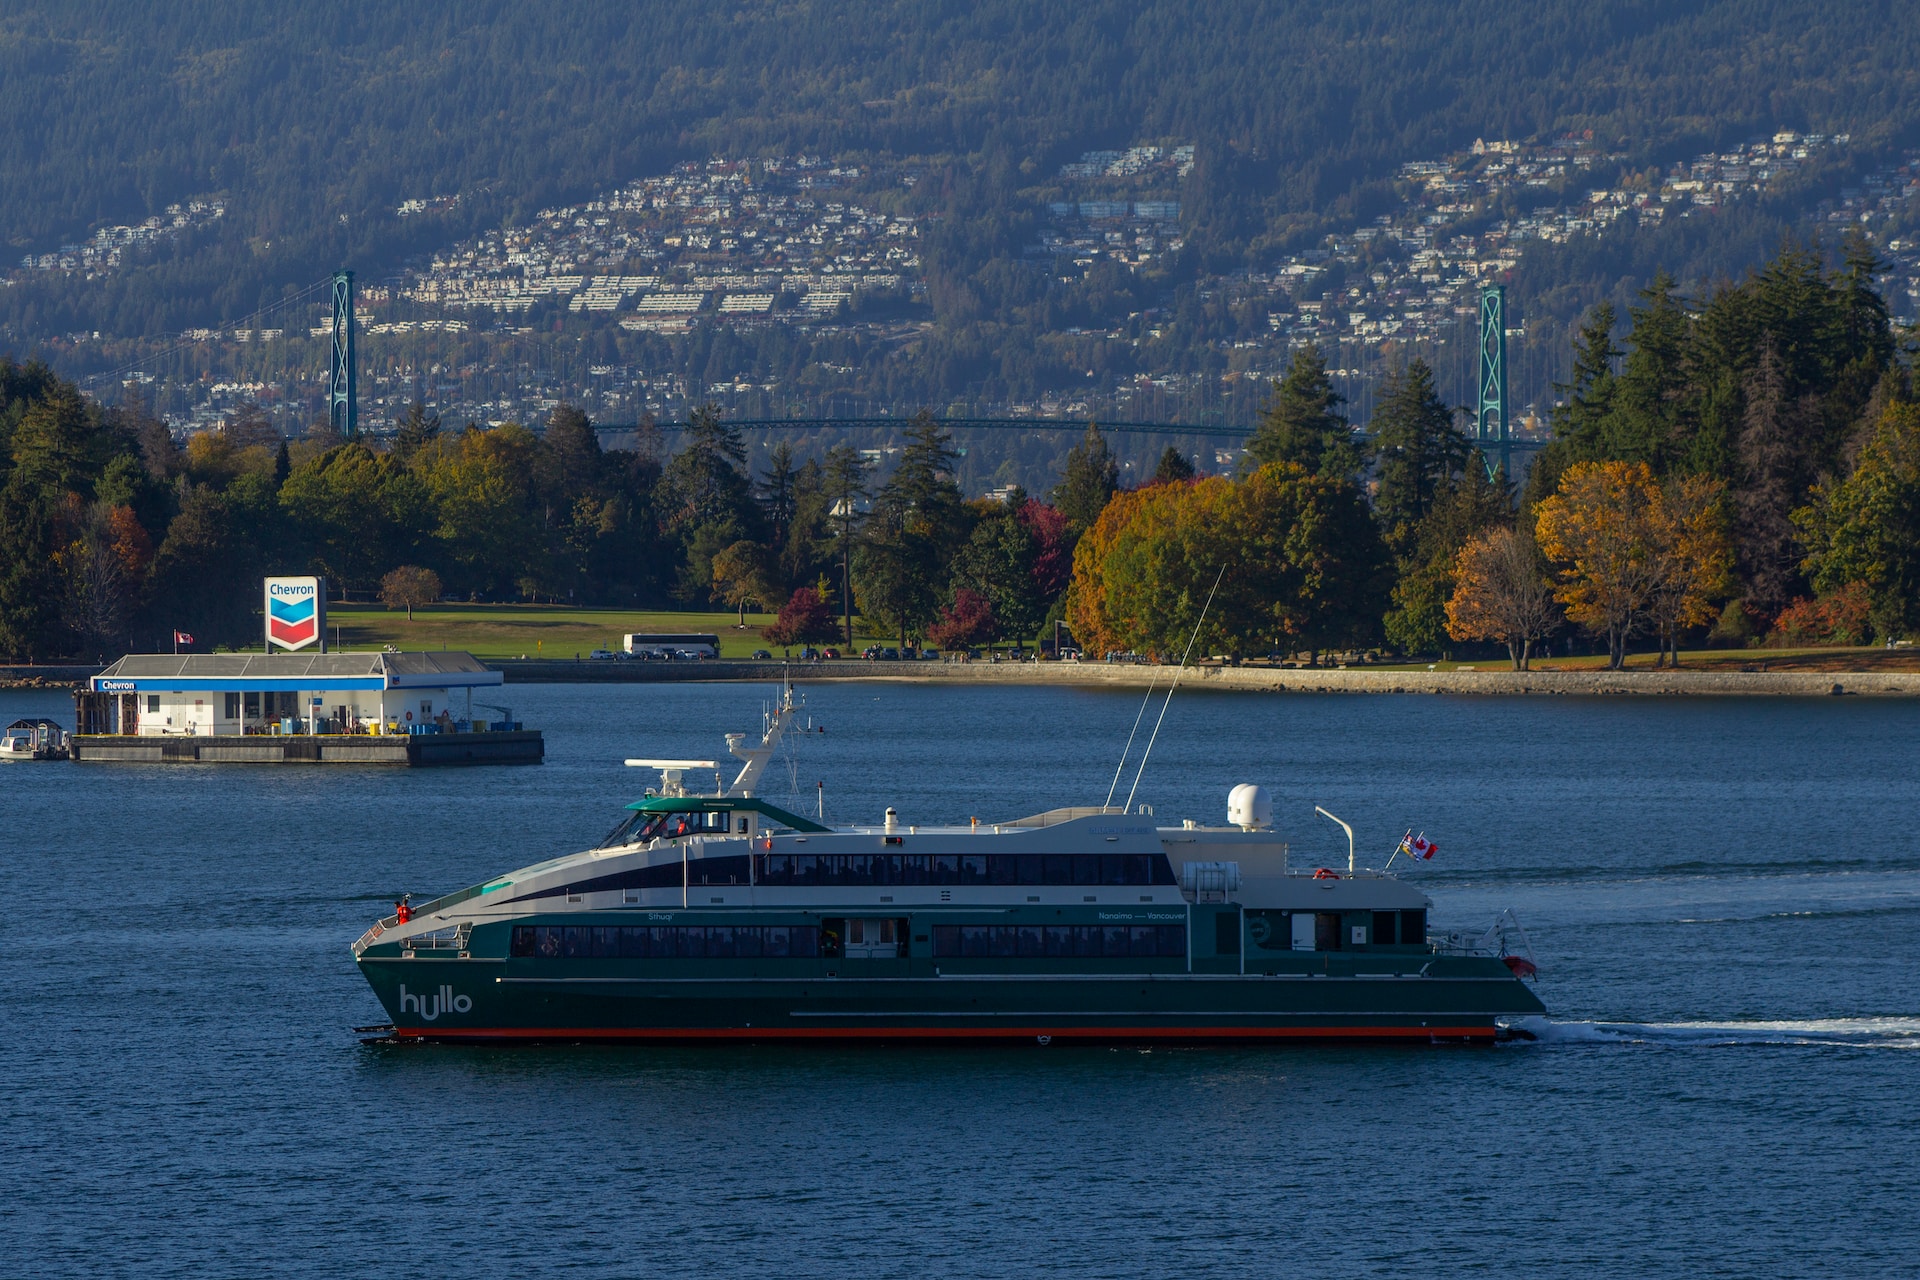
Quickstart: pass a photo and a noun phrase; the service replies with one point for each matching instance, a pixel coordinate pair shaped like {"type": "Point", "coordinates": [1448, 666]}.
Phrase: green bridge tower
{"type": "Point", "coordinates": [1492, 430]}
{"type": "Point", "coordinates": [343, 383]}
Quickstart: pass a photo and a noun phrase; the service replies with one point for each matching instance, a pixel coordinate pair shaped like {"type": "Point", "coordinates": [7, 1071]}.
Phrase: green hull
{"type": "Point", "coordinates": [1456, 998]}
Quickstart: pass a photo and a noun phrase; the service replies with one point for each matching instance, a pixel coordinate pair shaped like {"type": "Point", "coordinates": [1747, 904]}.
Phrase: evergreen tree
{"type": "Point", "coordinates": [1647, 422]}
{"type": "Point", "coordinates": [917, 523]}
{"type": "Point", "coordinates": [711, 498]}
{"type": "Point", "coordinates": [1419, 447]}
{"type": "Point", "coordinates": [1584, 406]}
{"type": "Point", "coordinates": [416, 430]}
{"type": "Point", "coordinates": [570, 453]}
{"type": "Point", "coordinates": [1173, 468]}
{"type": "Point", "coordinates": [1088, 482]}
{"type": "Point", "coordinates": [844, 489]}
{"type": "Point", "coordinates": [1774, 481]}
{"type": "Point", "coordinates": [1302, 423]}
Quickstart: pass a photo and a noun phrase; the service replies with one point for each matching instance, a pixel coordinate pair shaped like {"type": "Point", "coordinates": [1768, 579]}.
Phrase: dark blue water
{"type": "Point", "coordinates": [1724, 897]}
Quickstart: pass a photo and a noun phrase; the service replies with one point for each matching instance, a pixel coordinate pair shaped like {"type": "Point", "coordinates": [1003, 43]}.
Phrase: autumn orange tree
{"type": "Point", "coordinates": [1629, 554]}
{"type": "Point", "coordinates": [1501, 592]}
{"type": "Point", "coordinates": [1297, 558]}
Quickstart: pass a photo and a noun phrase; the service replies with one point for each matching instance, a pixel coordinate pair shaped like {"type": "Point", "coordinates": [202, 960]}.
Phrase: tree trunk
{"type": "Point", "coordinates": [1526, 652]}
{"type": "Point", "coordinates": [1513, 652]}
{"type": "Point", "coordinates": [409, 611]}
{"type": "Point", "coordinates": [1616, 649]}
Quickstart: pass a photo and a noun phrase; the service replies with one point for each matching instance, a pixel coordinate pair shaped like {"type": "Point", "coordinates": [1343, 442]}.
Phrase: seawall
{"type": "Point", "coordinates": [1682, 683]}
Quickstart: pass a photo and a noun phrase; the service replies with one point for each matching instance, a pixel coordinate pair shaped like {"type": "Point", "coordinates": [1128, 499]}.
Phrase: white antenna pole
{"type": "Point", "coordinates": [1124, 751]}
{"type": "Point", "coordinates": [1344, 827]}
{"type": "Point", "coordinates": [1170, 688]}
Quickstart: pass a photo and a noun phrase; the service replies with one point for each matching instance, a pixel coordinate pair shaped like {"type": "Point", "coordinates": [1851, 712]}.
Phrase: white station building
{"type": "Point", "coordinates": [235, 694]}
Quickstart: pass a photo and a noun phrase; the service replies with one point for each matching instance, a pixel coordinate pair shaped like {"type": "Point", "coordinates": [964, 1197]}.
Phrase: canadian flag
{"type": "Point", "coordinates": [1421, 847]}
{"type": "Point", "coordinates": [181, 637]}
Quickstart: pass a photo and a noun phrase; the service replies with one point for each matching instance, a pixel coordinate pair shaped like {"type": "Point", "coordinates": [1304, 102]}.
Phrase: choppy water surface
{"type": "Point", "coordinates": [1724, 897]}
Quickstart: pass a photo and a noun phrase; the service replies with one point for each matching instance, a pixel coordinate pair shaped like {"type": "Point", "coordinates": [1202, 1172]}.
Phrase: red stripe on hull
{"type": "Point", "coordinates": [1477, 1033]}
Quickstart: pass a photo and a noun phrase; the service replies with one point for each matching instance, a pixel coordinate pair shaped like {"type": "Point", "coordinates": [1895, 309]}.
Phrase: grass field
{"type": "Point", "coordinates": [531, 631]}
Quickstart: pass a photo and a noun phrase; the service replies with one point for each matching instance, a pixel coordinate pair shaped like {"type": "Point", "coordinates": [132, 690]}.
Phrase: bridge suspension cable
{"type": "Point", "coordinates": [93, 380]}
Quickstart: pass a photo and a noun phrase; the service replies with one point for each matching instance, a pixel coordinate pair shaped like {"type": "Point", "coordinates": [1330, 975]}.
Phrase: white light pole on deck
{"type": "Point", "coordinates": [1344, 827]}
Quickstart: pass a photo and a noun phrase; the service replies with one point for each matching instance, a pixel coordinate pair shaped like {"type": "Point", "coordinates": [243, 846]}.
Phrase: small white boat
{"type": "Point", "coordinates": [35, 738]}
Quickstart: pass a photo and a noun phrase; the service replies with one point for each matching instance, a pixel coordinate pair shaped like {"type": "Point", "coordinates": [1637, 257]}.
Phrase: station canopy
{"type": "Point", "coordinates": [192, 672]}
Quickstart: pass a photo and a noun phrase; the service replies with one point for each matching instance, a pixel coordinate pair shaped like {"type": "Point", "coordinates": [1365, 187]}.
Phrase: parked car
{"type": "Point", "coordinates": [829, 653]}
{"type": "Point", "coordinates": [761, 653]}
{"type": "Point", "coordinates": [890, 654]}
{"type": "Point", "coordinates": [871, 652]}
{"type": "Point", "coordinates": [602, 653]}
{"type": "Point", "coordinates": [929, 653]}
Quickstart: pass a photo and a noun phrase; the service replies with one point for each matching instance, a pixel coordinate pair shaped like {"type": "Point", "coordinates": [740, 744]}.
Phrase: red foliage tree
{"type": "Point", "coordinates": [804, 619]}
{"type": "Point", "coordinates": [1052, 547]}
{"type": "Point", "coordinates": [967, 621]}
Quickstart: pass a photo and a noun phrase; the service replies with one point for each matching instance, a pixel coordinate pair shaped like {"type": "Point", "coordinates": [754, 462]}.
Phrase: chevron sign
{"type": "Point", "coordinates": [296, 611]}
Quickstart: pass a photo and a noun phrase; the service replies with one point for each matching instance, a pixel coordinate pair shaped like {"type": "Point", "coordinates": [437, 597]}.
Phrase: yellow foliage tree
{"type": "Point", "coordinates": [1629, 553]}
{"type": "Point", "coordinates": [1693, 558]}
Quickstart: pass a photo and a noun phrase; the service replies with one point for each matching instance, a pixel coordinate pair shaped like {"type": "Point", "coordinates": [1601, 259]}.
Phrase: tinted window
{"type": "Point", "coordinates": [522, 943]}
{"type": "Point", "coordinates": [1413, 927]}
{"type": "Point", "coordinates": [1226, 935]}
{"type": "Point", "coordinates": [1383, 927]}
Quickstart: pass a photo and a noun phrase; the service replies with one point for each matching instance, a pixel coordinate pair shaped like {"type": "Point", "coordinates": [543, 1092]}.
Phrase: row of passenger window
{"type": "Point", "coordinates": [839, 869]}
{"type": "Point", "coordinates": [665, 942]}
{"type": "Point", "coordinates": [1060, 941]}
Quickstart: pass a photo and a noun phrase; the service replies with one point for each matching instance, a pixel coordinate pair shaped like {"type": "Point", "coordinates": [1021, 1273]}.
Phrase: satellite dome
{"type": "Point", "coordinates": [1249, 807]}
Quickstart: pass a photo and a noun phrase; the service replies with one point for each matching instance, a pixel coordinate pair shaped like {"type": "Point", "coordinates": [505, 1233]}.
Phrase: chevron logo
{"type": "Point", "coordinates": [293, 611]}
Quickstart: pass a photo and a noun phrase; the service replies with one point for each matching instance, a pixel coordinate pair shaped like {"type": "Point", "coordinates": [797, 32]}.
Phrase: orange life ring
{"type": "Point", "coordinates": [1326, 873]}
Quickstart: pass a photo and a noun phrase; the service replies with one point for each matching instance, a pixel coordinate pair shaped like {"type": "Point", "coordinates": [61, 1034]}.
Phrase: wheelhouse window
{"type": "Point", "coordinates": [640, 827]}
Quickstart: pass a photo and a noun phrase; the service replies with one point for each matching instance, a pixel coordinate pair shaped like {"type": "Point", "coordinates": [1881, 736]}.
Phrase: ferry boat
{"type": "Point", "coordinates": [721, 916]}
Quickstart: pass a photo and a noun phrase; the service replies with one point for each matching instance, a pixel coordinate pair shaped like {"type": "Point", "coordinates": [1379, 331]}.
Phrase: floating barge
{"type": "Point", "coordinates": [297, 708]}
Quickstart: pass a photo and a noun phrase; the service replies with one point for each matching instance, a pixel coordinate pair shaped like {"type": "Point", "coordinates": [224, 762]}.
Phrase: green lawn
{"type": "Point", "coordinates": [535, 631]}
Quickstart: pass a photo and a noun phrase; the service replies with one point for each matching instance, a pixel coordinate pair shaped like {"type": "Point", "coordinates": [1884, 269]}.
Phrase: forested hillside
{"type": "Point", "coordinates": [314, 123]}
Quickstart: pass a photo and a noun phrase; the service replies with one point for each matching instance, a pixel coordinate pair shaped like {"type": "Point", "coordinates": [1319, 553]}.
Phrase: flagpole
{"type": "Point", "coordinates": [1397, 849]}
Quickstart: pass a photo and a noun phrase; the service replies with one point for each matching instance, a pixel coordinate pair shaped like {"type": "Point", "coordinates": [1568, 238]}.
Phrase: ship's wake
{"type": "Point", "coordinates": [1856, 1033]}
